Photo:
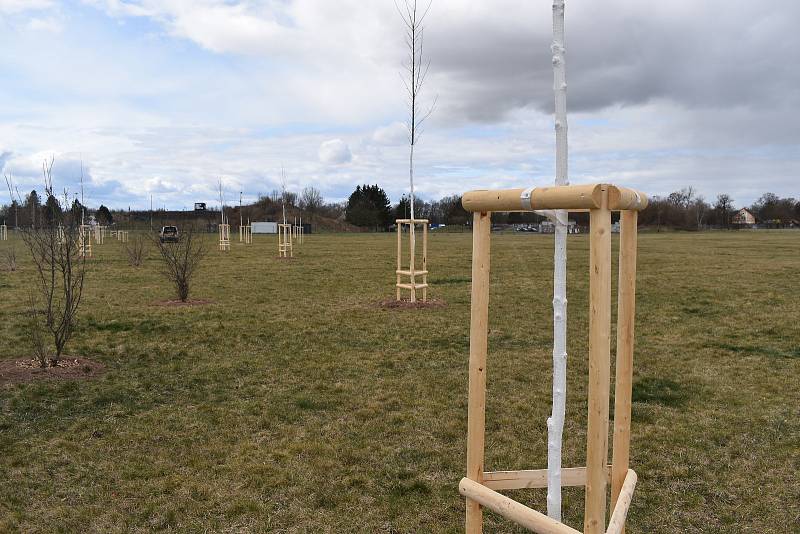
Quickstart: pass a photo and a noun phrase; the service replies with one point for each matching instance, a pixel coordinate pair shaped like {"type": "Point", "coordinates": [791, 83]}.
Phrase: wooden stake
{"type": "Point", "coordinates": [425, 262]}
{"type": "Point", "coordinates": [399, 256]}
{"type": "Point", "coordinates": [616, 525]}
{"type": "Point", "coordinates": [626, 305]}
{"type": "Point", "coordinates": [478, 347]}
{"type": "Point", "coordinates": [599, 366]}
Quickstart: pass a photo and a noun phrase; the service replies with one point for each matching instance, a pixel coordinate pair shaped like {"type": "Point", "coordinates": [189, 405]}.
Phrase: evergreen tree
{"type": "Point", "coordinates": [368, 206]}
{"type": "Point", "coordinates": [103, 215]}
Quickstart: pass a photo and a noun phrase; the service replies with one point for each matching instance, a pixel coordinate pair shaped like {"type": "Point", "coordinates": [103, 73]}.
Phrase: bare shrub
{"type": "Point", "coordinates": [135, 250]}
{"type": "Point", "coordinates": [10, 257]}
{"type": "Point", "coordinates": [60, 271]}
{"type": "Point", "coordinates": [180, 260]}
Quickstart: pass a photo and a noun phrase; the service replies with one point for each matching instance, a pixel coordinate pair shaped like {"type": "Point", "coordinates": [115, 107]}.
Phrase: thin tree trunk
{"type": "Point", "coordinates": [555, 423]}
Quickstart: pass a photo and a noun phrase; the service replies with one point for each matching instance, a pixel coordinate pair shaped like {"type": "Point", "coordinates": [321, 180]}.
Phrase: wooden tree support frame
{"type": "Point", "coordinates": [246, 234]}
{"type": "Point", "coordinates": [122, 235]}
{"type": "Point", "coordinates": [298, 234]}
{"type": "Point", "coordinates": [99, 234]}
{"type": "Point", "coordinates": [225, 236]}
{"type": "Point", "coordinates": [285, 249]}
{"type": "Point", "coordinates": [418, 278]}
{"type": "Point", "coordinates": [84, 240]}
{"type": "Point", "coordinates": [481, 487]}
{"type": "Point", "coordinates": [3, 232]}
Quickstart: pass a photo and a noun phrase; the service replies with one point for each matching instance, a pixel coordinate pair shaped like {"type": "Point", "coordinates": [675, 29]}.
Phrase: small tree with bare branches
{"type": "Point", "coordinates": [180, 260]}
{"type": "Point", "coordinates": [60, 272]}
{"type": "Point", "coordinates": [416, 70]}
{"type": "Point", "coordinates": [10, 256]}
{"type": "Point", "coordinates": [135, 250]}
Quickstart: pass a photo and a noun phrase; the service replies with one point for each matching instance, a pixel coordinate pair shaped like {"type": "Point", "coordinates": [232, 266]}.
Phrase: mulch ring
{"type": "Point", "coordinates": [405, 304]}
{"type": "Point", "coordinates": [182, 303]}
{"type": "Point", "coordinates": [67, 368]}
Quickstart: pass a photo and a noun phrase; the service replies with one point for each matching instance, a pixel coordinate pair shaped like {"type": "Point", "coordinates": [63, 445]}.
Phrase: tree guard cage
{"type": "Point", "coordinates": [285, 249]}
{"type": "Point", "coordinates": [3, 232]}
{"type": "Point", "coordinates": [417, 278]}
{"type": "Point", "coordinates": [481, 487]}
{"type": "Point", "coordinates": [225, 236]}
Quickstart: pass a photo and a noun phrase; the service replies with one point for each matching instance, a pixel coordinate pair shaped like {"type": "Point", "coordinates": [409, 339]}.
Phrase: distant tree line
{"type": "Point", "coordinates": [369, 208]}
{"type": "Point", "coordinates": [687, 210]}
{"type": "Point", "coordinates": [33, 213]}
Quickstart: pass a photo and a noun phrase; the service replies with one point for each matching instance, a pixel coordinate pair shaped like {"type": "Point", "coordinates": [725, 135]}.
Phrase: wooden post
{"type": "Point", "coordinates": [478, 347]}
{"type": "Point", "coordinates": [599, 366]}
{"type": "Point", "coordinates": [3, 232]}
{"type": "Point", "coordinates": [425, 262]}
{"type": "Point", "coordinates": [399, 256]}
{"type": "Point", "coordinates": [626, 306]}
{"type": "Point", "coordinates": [412, 247]}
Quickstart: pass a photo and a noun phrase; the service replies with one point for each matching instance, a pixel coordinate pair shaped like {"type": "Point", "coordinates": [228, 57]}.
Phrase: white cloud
{"type": "Point", "coordinates": [395, 133]}
{"type": "Point", "coordinates": [334, 152]}
{"type": "Point", "coordinates": [20, 6]}
{"type": "Point", "coordinates": [47, 24]}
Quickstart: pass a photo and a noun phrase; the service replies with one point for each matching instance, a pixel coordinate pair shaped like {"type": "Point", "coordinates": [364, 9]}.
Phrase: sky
{"type": "Point", "coordinates": [166, 98]}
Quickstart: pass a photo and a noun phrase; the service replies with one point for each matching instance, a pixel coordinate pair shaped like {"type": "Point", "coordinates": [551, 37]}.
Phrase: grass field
{"type": "Point", "coordinates": [293, 403]}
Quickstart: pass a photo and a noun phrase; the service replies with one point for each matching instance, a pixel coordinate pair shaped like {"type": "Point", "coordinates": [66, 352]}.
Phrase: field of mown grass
{"type": "Point", "coordinates": [293, 403]}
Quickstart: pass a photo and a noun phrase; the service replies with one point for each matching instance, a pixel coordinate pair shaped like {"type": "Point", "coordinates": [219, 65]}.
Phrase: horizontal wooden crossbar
{"type": "Point", "coordinates": [535, 478]}
{"type": "Point", "coordinates": [410, 221]}
{"type": "Point", "coordinates": [411, 286]}
{"type": "Point", "coordinates": [567, 197]}
{"type": "Point", "coordinates": [409, 272]}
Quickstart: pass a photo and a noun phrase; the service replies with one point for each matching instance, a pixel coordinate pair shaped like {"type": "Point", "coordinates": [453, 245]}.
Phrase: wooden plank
{"type": "Point", "coordinates": [535, 478]}
{"type": "Point", "coordinates": [408, 273]}
{"type": "Point", "coordinates": [510, 509]}
{"type": "Point", "coordinates": [478, 347]}
{"type": "Point", "coordinates": [616, 524]}
{"type": "Point", "coordinates": [599, 367]}
{"type": "Point", "coordinates": [626, 305]}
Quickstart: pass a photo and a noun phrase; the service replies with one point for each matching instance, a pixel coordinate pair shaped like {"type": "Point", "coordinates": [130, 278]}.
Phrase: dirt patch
{"type": "Point", "coordinates": [181, 303]}
{"type": "Point", "coordinates": [68, 368]}
{"type": "Point", "coordinates": [405, 304]}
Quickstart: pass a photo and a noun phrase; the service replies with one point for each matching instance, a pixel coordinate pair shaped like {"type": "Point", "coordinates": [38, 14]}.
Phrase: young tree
{"type": "Point", "coordinates": [135, 249]}
{"type": "Point", "coordinates": [60, 274]}
{"type": "Point", "coordinates": [180, 260]}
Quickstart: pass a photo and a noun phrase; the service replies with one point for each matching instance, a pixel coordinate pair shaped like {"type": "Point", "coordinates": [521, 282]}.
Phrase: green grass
{"type": "Point", "coordinates": [294, 404]}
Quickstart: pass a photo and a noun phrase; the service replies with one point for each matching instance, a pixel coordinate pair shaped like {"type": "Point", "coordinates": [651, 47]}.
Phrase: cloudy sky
{"type": "Point", "coordinates": [167, 97]}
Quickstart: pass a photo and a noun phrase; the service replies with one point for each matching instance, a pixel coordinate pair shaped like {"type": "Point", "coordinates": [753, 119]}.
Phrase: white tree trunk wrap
{"type": "Point", "coordinates": [555, 423]}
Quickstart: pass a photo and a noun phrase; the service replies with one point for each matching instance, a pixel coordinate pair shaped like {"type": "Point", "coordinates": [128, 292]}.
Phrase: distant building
{"type": "Point", "coordinates": [262, 227]}
{"type": "Point", "coordinates": [199, 206]}
{"type": "Point", "coordinates": [743, 217]}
